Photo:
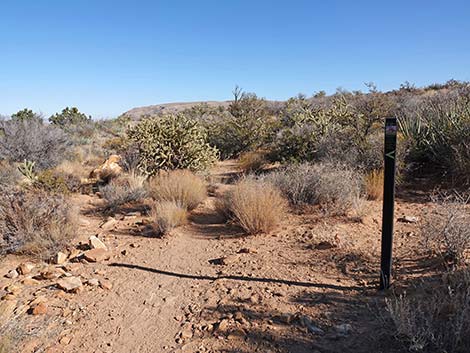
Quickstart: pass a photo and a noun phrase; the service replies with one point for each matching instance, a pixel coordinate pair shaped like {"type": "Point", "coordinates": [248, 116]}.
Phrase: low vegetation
{"type": "Point", "coordinates": [167, 215]}
{"type": "Point", "coordinates": [35, 222]}
{"type": "Point", "coordinates": [254, 205]}
{"type": "Point", "coordinates": [180, 186]}
{"type": "Point", "coordinates": [335, 188]}
{"type": "Point", "coordinates": [123, 190]}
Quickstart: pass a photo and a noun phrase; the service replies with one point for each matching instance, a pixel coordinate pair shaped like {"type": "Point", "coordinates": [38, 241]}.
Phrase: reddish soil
{"type": "Point", "coordinates": [309, 286]}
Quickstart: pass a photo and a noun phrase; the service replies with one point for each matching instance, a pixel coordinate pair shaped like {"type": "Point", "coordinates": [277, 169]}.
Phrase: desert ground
{"type": "Point", "coordinates": [311, 285]}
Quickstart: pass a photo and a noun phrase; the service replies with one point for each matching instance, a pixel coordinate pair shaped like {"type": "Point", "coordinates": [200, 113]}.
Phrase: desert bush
{"type": "Point", "coordinates": [49, 181]}
{"type": "Point", "coordinates": [167, 215]}
{"type": "Point", "coordinates": [374, 184]}
{"type": "Point", "coordinates": [35, 222]}
{"type": "Point", "coordinates": [69, 116]}
{"type": "Point", "coordinates": [254, 205]}
{"type": "Point", "coordinates": [125, 189]}
{"type": "Point", "coordinates": [9, 173]}
{"type": "Point", "coordinates": [171, 142]}
{"type": "Point", "coordinates": [435, 317]}
{"type": "Point", "coordinates": [33, 141]}
{"type": "Point", "coordinates": [72, 172]}
{"type": "Point", "coordinates": [253, 162]}
{"type": "Point", "coordinates": [334, 187]}
{"type": "Point", "coordinates": [446, 229]}
{"type": "Point", "coordinates": [180, 186]}
{"type": "Point", "coordinates": [25, 115]}
{"type": "Point", "coordinates": [438, 129]}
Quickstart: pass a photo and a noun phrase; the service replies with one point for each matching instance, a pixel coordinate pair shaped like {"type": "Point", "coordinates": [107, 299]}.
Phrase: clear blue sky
{"type": "Point", "coordinates": [107, 56]}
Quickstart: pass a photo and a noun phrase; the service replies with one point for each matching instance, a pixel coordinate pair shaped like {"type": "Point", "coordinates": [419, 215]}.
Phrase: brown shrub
{"type": "Point", "coordinates": [446, 229]}
{"type": "Point", "coordinates": [252, 162]}
{"type": "Point", "coordinates": [254, 205]}
{"type": "Point", "coordinates": [35, 223]}
{"type": "Point", "coordinates": [180, 186]}
{"type": "Point", "coordinates": [166, 215]}
{"type": "Point", "coordinates": [374, 184]}
{"type": "Point", "coordinates": [435, 315]}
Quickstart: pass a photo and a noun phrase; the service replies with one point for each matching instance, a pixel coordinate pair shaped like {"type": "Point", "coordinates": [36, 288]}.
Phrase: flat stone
{"type": "Point", "coordinates": [408, 219]}
{"type": "Point", "coordinates": [28, 281]}
{"type": "Point", "coordinates": [75, 253]}
{"type": "Point", "coordinates": [96, 255]}
{"type": "Point", "coordinates": [96, 243]}
{"type": "Point", "coordinates": [39, 309]}
{"type": "Point", "coordinates": [225, 260]}
{"type": "Point", "coordinates": [109, 224]}
{"type": "Point", "coordinates": [25, 268]}
{"type": "Point", "coordinates": [105, 284]}
{"type": "Point", "coordinates": [70, 284]}
{"type": "Point", "coordinates": [60, 258]}
{"type": "Point", "coordinates": [94, 282]}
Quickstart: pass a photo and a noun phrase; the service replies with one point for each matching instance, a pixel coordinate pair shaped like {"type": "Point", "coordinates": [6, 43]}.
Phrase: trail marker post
{"type": "Point", "coordinates": [388, 201]}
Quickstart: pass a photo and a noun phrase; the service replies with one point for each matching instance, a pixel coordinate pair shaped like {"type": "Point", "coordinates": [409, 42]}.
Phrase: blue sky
{"type": "Point", "coordinates": [107, 56]}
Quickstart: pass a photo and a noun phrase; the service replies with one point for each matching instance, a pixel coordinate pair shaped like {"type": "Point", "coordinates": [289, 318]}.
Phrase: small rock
{"type": "Point", "coordinates": [93, 282]}
{"type": "Point", "coordinates": [96, 243]}
{"type": "Point", "coordinates": [186, 332]}
{"type": "Point", "coordinates": [39, 309]}
{"type": "Point", "coordinates": [225, 260]}
{"type": "Point", "coordinates": [408, 219]}
{"type": "Point", "coordinates": [75, 253]}
{"type": "Point", "coordinates": [343, 329]}
{"type": "Point", "coordinates": [60, 258]}
{"type": "Point", "coordinates": [50, 273]}
{"type": "Point", "coordinates": [109, 224]}
{"type": "Point", "coordinates": [13, 289]}
{"type": "Point", "coordinates": [28, 281]}
{"type": "Point", "coordinates": [105, 284]}
{"type": "Point", "coordinates": [124, 252]}
{"type": "Point", "coordinates": [325, 245]}
{"type": "Point", "coordinates": [65, 340]}
{"type": "Point", "coordinates": [223, 325]}
{"type": "Point", "coordinates": [96, 255]}
{"type": "Point", "coordinates": [70, 284]}
{"type": "Point", "coordinates": [132, 245]}
{"type": "Point", "coordinates": [9, 296]}
{"type": "Point", "coordinates": [12, 274]}
{"type": "Point", "coordinates": [247, 251]}
{"type": "Point", "coordinates": [25, 268]}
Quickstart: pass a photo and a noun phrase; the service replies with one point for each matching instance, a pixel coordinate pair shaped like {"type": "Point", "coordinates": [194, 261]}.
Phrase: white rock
{"type": "Point", "coordinates": [96, 243]}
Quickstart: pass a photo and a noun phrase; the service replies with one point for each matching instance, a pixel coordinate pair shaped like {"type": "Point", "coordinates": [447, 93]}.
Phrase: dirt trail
{"type": "Point", "coordinates": [307, 287]}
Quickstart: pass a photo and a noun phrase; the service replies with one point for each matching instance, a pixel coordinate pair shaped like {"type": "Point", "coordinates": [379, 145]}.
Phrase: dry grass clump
{"type": "Point", "coordinates": [167, 215]}
{"type": "Point", "coordinates": [447, 228]}
{"type": "Point", "coordinates": [374, 184]}
{"type": "Point", "coordinates": [125, 189]}
{"type": "Point", "coordinates": [9, 173]}
{"type": "Point", "coordinates": [252, 162]}
{"type": "Point", "coordinates": [180, 186]}
{"type": "Point", "coordinates": [256, 206]}
{"type": "Point", "coordinates": [35, 222]}
{"type": "Point", "coordinates": [436, 316]}
{"type": "Point", "coordinates": [334, 187]}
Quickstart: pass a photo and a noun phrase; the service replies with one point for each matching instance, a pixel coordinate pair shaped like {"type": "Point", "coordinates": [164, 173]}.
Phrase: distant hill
{"type": "Point", "coordinates": [137, 113]}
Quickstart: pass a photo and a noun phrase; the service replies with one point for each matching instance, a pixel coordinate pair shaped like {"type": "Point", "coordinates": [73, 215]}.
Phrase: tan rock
{"type": "Point", "coordinates": [25, 268]}
{"type": "Point", "coordinates": [28, 281]}
{"type": "Point", "coordinates": [60, 258]}
{"type": "Point", "coordinates": [7, 308]}
{"type": "Point", "coordinates": [108, 170]}
{"type": "Point", "coordinates": [70, 284]}
{"type": "Point", "coordinates": [109, 224]}
{"type": "Point", "coordinates": [96, 243]}
{"type": "Point", "coordinates": [94, 282]}
{"type": "Point", "coordinates": [65, 340]}
{"type": "Point", "coordinates": [39, 309]}
{"type": "Point", "coordinates": [13, 289]}
{"type": "Point", "coordinates": [96, 255]}
{"type": "Point", "coordinates": [8, 296]}
{"type": "Point", "coordinates": [105, 284]}
{"type": "Point", "coordinates": [75, 253]}
{"type": "Point", "coordinates": [12, 274]}
{"type": "Point", "coordinates": [223, 325]}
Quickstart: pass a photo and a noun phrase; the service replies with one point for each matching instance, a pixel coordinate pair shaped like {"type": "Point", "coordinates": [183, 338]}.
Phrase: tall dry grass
{"type": "Point", "coordinates": [374, 184]}
{"type": "Point", "coordinates": [167, 215]}
{"type": "Point", "coordinates": [180, 186]}
{"type": "Point", "coordinates": [254, 205]}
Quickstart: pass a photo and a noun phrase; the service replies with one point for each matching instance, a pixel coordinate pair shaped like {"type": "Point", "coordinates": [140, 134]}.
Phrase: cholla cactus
{"type": "Point", "coordinates": [27, 169]}
{"type": "Point", "coordinates": [172, 142]}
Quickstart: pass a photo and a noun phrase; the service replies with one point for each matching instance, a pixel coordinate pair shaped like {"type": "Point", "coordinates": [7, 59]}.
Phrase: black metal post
{"type": "Point", "coordinates": [388, 201]}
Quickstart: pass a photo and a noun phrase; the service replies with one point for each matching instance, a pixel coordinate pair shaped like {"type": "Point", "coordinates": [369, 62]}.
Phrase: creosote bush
{"type": "Point", "coordinates": [180, 186]}
{"type": "Point", "coordinates": [171, 142]}
{"type": "Point", "coordinates": [435, 316]}
{"type": "Point", "coordinates": [252, 162]}
{"type": "Point", "coordinates": [35, 222]}
{"type": "Point", "coordinates": [334, 187]}
{"type": "Point", "coordinates": [167, 215]}
{"type": "Point", "coordinates": [254, 205]}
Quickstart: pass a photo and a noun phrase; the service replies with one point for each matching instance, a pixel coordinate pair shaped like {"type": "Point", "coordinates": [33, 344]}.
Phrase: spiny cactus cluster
{"type": "Point", "coordinates": [172, 142]}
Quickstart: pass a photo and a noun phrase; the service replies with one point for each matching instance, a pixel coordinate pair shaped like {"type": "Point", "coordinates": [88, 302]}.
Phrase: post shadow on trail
{"type": "Point", "coordinates": [237, 278]}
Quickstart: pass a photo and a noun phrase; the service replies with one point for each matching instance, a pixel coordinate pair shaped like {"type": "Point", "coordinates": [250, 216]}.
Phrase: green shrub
{"type": "Point", "coordinates": [172, 142]}
{"type": "Point", "coordinates": [69, 116]}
